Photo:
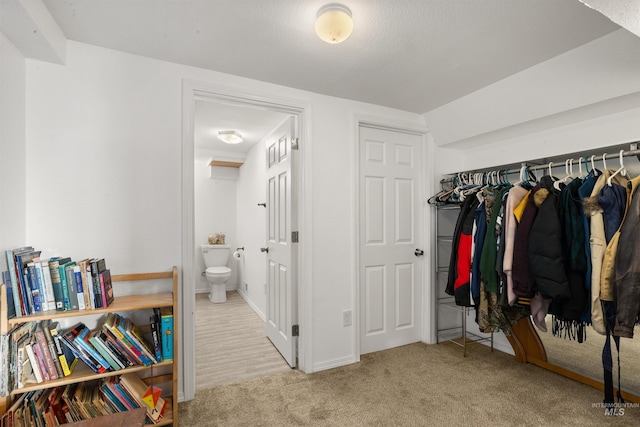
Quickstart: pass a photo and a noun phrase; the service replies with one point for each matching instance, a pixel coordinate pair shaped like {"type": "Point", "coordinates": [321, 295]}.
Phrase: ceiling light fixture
{"type": "Point", "coordinates": [334, 23]}
{"type": "Point", "coordinates": [230, 136]}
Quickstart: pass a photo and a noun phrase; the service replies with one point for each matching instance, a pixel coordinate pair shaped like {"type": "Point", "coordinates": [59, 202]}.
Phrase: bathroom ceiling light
{"type": "Point", "coordinates": [230, 136]}
{"type": "Point", "coordinates": [334, 23]}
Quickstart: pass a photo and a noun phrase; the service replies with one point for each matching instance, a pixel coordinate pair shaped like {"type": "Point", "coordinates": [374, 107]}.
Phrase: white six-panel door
{"type": "Point", "coordinates": [390, 232]}
{"type": "Point", "coordinates": [281, 286]}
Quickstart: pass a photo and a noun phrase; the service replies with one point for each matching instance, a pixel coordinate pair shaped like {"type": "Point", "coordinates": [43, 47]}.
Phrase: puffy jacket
{"type": "Point", "coordinates": [545, 251]}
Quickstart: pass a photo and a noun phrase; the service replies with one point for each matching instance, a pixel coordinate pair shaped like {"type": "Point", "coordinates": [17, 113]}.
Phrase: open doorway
{"type": "Point", "coordinates": [229, 200]}
{"type": "Point", "coordinates": [205, 110]}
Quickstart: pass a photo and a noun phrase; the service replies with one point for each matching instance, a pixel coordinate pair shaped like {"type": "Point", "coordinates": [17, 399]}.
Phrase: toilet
{"type": "Point", "coordinates": [217, 272]}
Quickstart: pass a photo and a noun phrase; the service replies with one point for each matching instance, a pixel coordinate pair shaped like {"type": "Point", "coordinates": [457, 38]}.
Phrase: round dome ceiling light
{"type": "Point", "coordinates": [334, 23]}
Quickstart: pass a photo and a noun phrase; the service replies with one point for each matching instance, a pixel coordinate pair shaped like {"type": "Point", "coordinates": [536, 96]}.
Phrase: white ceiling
{"type": "Point", "coordinates": [414, 55]}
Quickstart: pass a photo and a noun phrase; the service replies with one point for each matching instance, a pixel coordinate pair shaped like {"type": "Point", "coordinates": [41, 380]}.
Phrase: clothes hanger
{"type": "Point", "coordinates": [604, 161]}
{"type": "Point", "coordinates": [621, 170]}
{"type": "Point", "coordinates": [580, 167]}
{"type": "Point", "coordinates": [593, 164]}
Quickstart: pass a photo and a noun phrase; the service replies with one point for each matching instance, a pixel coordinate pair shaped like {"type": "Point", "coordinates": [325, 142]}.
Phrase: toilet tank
{"type": "Point", "coordinates": [215, 255]}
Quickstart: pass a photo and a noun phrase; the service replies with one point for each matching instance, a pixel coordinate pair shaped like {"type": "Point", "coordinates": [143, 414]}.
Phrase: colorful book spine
{"type": "Point", "coordinates": [71, 287]}
{"type": "Point", "coordinates": [44, 302]}
{"type": "Point", "coordinates": [77, 275]}
{"type": "Point", "coordinates": [67, 358]}
{"type": "Point", "coordinates": [49, 365]}
{"type": "Point", "coordinates": [156, 335]}
{"type": "Point", "coordinates": [82, 340]}
{"type": "Point", "coordinates": [56, 283]}
{"type": "Point", "coordinates": [48, 285]}
{"type": "Point", "coordinates": [14, 284]}
{"type": "Point", "coordinates": [166, 328]}
{"type": "Point", "coordinates": [32, 280]}
{"type": "Point", "coordinates": [65, 285]}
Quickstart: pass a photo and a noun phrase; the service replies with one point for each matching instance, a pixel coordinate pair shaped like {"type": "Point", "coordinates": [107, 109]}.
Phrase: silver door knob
{"type": "Point", "coordinates": [264, 249]}
{"type": "Point", "coordinates": [419, 252]}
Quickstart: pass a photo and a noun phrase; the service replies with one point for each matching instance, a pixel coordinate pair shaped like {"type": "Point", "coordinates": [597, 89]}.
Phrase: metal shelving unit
{"type": "Point", "coordinates": [458, 335]}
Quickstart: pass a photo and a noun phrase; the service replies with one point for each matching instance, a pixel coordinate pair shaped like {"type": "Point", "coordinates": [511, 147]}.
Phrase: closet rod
{"type": "Point", "coordinates": [609, 157]}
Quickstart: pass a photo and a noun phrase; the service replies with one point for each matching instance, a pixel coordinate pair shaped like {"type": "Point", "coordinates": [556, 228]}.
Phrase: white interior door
{"type": "Point", "coordinates": [281, 275]}
{"type": "Point", "coordinates": [390, 234]}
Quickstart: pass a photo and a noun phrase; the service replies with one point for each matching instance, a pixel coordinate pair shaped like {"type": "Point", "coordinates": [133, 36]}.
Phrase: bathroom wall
{"type": "Point", "coordinates": [215, 211]}
{"type": "Point", "coordinates": [252, 227]}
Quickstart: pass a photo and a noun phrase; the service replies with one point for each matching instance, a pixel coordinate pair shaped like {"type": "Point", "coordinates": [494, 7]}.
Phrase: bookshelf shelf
{"type": "Point", "coordinates": [82, 373]}
{"type": "Point", "coordinates": [163, 372]}
{"type": "Point", "coordinates": [123, 303]}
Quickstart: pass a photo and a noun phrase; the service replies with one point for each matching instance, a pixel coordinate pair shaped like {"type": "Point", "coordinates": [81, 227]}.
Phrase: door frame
{"type": "Point", "coordinates": [423, 133]}
{"type": "Point", "coordinates": [301, 112]}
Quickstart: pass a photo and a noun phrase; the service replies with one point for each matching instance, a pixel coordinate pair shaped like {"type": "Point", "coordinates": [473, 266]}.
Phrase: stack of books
{"type": "Point", "coordinates": [36, 285]}
{"type": "Point", "coordinates": [41, 351]}
{"type": "Point", "coordinates": [82, 401]}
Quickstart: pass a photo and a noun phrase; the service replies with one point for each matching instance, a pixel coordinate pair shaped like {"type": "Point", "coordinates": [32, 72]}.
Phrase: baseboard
{"type": "Point", "coordinates": [251, 304]}
{"type": "Point", "coordinates": [323, 366]}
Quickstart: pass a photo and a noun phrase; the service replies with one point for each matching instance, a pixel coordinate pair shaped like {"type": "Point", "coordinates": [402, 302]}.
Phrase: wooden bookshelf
{"type": "Point", "coordinates": [163, 372]}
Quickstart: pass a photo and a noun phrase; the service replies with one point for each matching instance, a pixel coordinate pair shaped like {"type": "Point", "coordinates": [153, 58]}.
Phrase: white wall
{"type": "Point", "coordinates": [592, 80]}
{"type": "Point", "coordinates": [107, 128]}
{"type": "Point", "coordinates": [13, 162]}
{"type": "Point", "coordinates": [252, 229]}
{"type": "Point", "coordinates": [215, 212]}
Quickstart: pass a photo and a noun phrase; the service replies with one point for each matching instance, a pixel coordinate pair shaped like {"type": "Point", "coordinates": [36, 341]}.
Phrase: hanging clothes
{"type": "Point", "coordinates": [523, 283]}
{"type": "Point", "coordinates": [459, 277]}
{"type": "Point", "coordinates": [583, 192]}
{"type": "Point", "coordinates": [514, 197]}
{"type": "Point", "coordinates": [627, 267]}
{"type": "Point", "coordinates": [598, 244]}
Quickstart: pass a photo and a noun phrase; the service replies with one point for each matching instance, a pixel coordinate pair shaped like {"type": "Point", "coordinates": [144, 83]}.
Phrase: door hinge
{"type": "Point", "coordinates": [295, 144]}
{"type": "Point", "coordinates": [295, 331]}
{"type": "Point", "coordinates": [294, 237]}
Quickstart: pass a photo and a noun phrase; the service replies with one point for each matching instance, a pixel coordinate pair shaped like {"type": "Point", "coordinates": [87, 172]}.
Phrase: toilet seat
{"type": "Point", "coordinates": [217, 271]}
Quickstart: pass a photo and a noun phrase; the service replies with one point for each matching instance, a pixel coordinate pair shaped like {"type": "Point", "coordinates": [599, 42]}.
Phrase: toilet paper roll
{"type": "Point", "coordinates": [237, 255]}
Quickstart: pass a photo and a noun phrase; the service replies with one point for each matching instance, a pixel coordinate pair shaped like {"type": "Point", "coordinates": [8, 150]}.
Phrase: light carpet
{"type": "Point", "coordinates": [414, 385]}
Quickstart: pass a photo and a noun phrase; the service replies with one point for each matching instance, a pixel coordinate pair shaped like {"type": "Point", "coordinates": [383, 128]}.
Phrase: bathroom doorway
{"type": "Point", "coordinates": [229, 175]}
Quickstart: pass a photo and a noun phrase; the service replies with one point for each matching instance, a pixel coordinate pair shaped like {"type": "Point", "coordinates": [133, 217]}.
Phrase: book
{"type": "Point", "coordinates": [124, 325]}
{"type": "Point", "coordinates": [11, 308]}
{"type": "Point", "coordinates": [35, 284]}
{"type": "Point", "coordinates": [21, 261]}
{"type": "Point", "coordinates": [156, 336]}
{"type": "Point", "coordinates": [67, 358]}
{"type": "Point", "coordinates": [25, 373]}
{"type": "Point", "coordinates": [82, 341]}
{"type": "Point", "coordinates": [97, 267]}
{"type": "Point", "coordinates": [45, 353]}
{"type": "Point", "coordinates": [52, 348]}
{"type": "Point", "coordinates": [69, 287]}
{"type": "Point", "coordinates": [77, 275]}
{"type": "Point", "coordinates": [44, 297]}
{"type": "Point", "coordinates": [136, 334]}
{"type": "Point", "coordinates": [56, 280]}
{"type": "Point", "coordinates": [40, 359]}
{"type": "Point", "coordinates": [68, 338]}
{"type": "Point", "coordinates": [111, 324]}
{"type": "Point", "coordinates": [35, 365]}
{"type": "Point", "coordinates": [88, 285]}
{"type": "Point", "coordinates": [86, 288]}
{"type": "Point", "coordinates": [106, 288]}
{"type": "Point", "coordinates": [119, 349]}
{"type": "Point", "coordinates": [137, 388]}
{"type": "Point", "coordinates": [18, 301]}
{"type": "Point", "coordinates": [48, 285]}
{"type": "Point", "coordinates": [105, 352]}
{"type": "Point", "coordinates": [166, 329]}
